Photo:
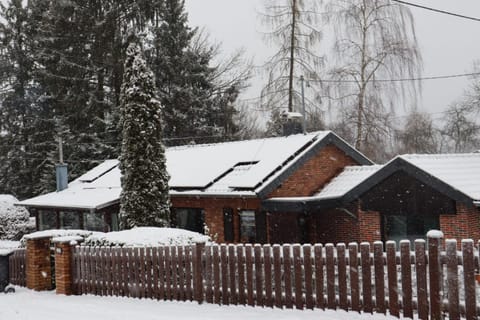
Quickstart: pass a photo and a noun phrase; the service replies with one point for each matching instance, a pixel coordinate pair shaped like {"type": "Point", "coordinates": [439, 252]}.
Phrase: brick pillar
{"type": "Point", "coordinates": [63, 267]}
{"type": "Point", "coordinates": [39, 269]}
{"type": "Point", "coordinates": [370, 226]}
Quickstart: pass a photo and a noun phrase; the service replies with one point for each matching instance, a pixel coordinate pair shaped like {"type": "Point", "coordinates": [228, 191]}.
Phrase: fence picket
{"type": "Point", "coordinates": [329, 251]}
{"type": "Point", "coordinates": [406, 271]}
{"type": "Point", "coordinates": [242, 298]}
{"type": "Point", "coordinates": [156, 291]}
{"type": "Point", "coordinates": [342, 277]}
{"type": "Point", "coordinates": [421, 274]}
{"type": "Point", "coordinates": [354, 279]}
{"type": "Point", "coordinates": [434, 277]}
{"type": "Point", "coordinates": [188, 272]}
{"type": "Point", "coordinates": [379, 267]}
{"type": "Point", "coordinates": [297, 265]}
{"type": "Point", "coordinates": [469, 279]}
{"type": "Point", "coordinates": [174, 272]}
{"type": "Point", "coordinates": [232, 271]}
{"type": "Point", "coordinates": [277, 275]}
{"type": "Point", "coordinates": [287, 276]}
{"type": "Point", "coordinates": [393, 304]}
{"type": "Point", "coordinates": [249, 267]}
{"type": "Point", "coordinates": [308, 269]}
{"type": "Point", "coordinates": [452, 280]}
{"type": "Point", "coordinates": [267, 258]}
{"type": "Point", "coordinates": [208, 275]}
{"type": "Point", "coordinates": [216, 275]}
{"type": "Point", "coordinates": [258, 276]}
{"type": "Point", "coordinates": [366, 277]}
{"type": "Point", "coordinates": [224, 265]}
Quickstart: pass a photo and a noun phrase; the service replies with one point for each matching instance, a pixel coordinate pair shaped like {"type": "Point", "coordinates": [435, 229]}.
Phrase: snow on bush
{"type": "Point", "coordinates": [14, 221]}
{"type": "Point", "coordinates": [146, 237]}
{"type": "Point", "coordinates": [8, 246]}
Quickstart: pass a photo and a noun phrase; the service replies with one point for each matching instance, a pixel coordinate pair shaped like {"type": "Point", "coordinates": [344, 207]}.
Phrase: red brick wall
{"type": "Point", "coordinates": [463, 225]}
{"type": "Point", "coordinates": [369, 226]}
{"type": "Point", "coordinates": [334, 226]}
{"type": "Point", "coordinates": [214, 211]}
{"type": "Point", "coordinates": [315, 173]}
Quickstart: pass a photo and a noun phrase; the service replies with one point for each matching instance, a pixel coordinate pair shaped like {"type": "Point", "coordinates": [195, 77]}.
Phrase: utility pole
{"type": "Point", "coordinates": [304, 124]}
{"type": "Point", "coordinates": [292, 55]}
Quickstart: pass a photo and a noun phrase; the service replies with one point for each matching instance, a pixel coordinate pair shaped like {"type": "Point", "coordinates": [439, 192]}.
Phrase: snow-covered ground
{"type": "Point", "coordinates": [26, 305]}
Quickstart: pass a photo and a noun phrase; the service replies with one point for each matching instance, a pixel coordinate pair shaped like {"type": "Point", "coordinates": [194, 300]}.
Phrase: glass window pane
{"type": "Point", "coordinates": [191, 219]}
{"type": "Point", "coordinates": [247, 226]}
{"type": "Point", "coordinates": [115, 226]}
{"type": "Point", "coordinates": [94, 221]}
{"type": "Point", "coordinates": [69, 220]}
{"type": "Point", "coordinates": [47, 220]}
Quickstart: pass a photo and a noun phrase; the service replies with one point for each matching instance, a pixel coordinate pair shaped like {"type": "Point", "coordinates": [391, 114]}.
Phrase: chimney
{"type": "Point", "coordinates": [62, 176]}
{"type": "Point", "coordinates": [292, 123]}
{"type": "Point", "coordinates": [61, 169]}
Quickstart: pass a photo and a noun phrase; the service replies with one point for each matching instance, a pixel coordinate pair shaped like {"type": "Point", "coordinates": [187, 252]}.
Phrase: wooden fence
{"type": "Point", "coordinates": [429, 282]}
{"type": "Point", "coordinates": [17, 268]}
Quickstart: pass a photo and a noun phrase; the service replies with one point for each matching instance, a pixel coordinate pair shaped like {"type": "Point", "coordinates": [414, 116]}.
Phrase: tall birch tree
{"type": "Point", "coordinates": [374, 42]}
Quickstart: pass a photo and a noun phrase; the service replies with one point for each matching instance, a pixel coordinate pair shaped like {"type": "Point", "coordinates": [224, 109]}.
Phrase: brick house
{"type": "Point", "coordinates": [402, 199]}
{"type": "Point", "coordinates": [221, 186]}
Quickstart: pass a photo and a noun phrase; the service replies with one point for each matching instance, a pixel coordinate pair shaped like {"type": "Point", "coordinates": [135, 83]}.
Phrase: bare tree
{"type": "Point", "coordinates": [461, 130]}
{"type": "Point", "coordinates": [374, 41]}
{"type": "Point", "coordinates": [418, 135]}
{"type": "Point", "coordinates": [292, 27]}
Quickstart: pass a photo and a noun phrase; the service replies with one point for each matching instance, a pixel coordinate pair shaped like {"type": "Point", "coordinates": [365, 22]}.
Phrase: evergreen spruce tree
{"type": "Point", "coordinates": [144, 200]}
{"type": "Point", "coordinates": [183, 75]}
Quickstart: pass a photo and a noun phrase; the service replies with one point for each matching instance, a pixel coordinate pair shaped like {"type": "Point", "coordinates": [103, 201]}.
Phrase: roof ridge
{"type": "Point", "coordinates": [188, 146]}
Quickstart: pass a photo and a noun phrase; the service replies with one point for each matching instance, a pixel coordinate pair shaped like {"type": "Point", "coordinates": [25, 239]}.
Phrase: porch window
{"type": "Point", "coordinates": [191, 219]}
{"type": "Point", "coordinates": [115, 224]}
{"type": "Point", "coordinates": [70, 220]}
{"type": "Point", "coordinates": [94, 221]}
{"type": "Point", "coordinates": [409, 226]}
{"type": "Point", "coordinates": [47, 219]}
{"type": "Point", "coordinates": [247, 226]}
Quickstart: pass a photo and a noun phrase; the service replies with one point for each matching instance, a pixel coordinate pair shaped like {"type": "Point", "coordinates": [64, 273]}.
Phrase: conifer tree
{"type": "Point", "coordinates": [145, 199]}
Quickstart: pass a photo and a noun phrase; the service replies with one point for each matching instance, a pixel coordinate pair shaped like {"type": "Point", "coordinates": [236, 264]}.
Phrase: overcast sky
{"type": "Point", "coordinates": [449, 45]}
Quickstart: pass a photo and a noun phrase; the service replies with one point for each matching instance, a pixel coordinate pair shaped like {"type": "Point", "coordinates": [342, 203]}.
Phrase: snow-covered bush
{"type": "Point", "coordinates": [146, 237]}
{"type": "Point", "coordinates": [14, 221]}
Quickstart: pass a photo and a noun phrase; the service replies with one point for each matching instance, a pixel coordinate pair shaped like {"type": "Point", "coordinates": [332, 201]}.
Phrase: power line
{"type": "Point", "coordinates": [461, 75]}
{"type": "Point", "coordinates": [437, 10]}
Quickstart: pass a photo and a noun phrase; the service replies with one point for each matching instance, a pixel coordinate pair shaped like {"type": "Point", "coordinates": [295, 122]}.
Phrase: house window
{"type": "Point", "coordinates": [69, 220]}
{"type": "Point", "coordinates": [247, 226]}
{"type": "Point", "coordinates": [115, 224]}
{"type": "Point", "coordinates": [191, 219]}
{"type": "Point", "coordinates": [47, 220]}
{"type": "Point", "coordinates": [94, 221]}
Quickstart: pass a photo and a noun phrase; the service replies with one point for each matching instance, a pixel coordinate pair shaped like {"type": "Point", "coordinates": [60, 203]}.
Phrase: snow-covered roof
{"type": "Point", "coordinates": [240, 168]}
{"type": "Point", "coordinates": [350, 177]}
{"type": "Point", "coordinates": [460, 171]}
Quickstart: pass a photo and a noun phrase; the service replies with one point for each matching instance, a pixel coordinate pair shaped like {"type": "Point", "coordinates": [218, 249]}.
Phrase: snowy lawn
{"type": "Point", "coordinates": [26, 304]}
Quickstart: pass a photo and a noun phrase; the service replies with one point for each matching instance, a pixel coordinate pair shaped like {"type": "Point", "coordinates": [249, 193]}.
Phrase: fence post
{"type": "Point", "coordinates": [63, 264]}
{"type": "Point", "coordinates": [197, 267]}
{"type": "Point", "coordinates": [38, 267]}
{"type": "Point", "coordinates": [434, 269]}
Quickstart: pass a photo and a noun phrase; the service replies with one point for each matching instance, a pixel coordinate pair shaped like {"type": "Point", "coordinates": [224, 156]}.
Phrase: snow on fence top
{"type": "Point", "coordinates": [6, 247]}
{"type": "Point", "coordinates": [137, 237]}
